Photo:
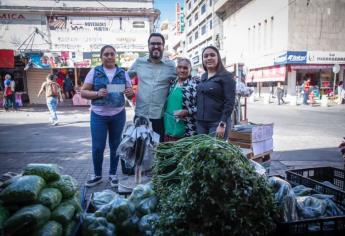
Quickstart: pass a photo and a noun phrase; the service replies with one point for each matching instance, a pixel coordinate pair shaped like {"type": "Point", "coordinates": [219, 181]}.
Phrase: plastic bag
{"type": "Point", "coordinates": [129, 227]}
{"type": "Point", "coordinates": [121, 210]}
{"type": "Point", "coordinates": [141, 192]}
{"type": "Point", "coordinates": [147, 224]}
{"type": "Point", "coordinates": [66, 184]}
{"type": "Point", "coordinates": [51, 228]}
{"type": "Point", "coordinates": [301, 190]}
{"type": "Point", "coordinates": [102, 198]}
{"type": "Point", "coordinates": [74, 201]}
{"type": "Point", "coordinates": [279, 187]}
{"type": "Point", "coordinates": [93, 225]}
{"type": "Point", "coordinates": [258, 168]}
{"type": "Point", "coordinates": [49, 172]}
{"type": "Point", "coordinates": [70, 229]}
{"type": "Point", "coordinates": [50, 197]}
{"type": "Point", "coordinates": [27, 219]}
{"type": "Point", "coordinates": [63, 213]}
{"type": "Point", "coordinates": [23, 190]}
{"type": "Point", "coordinates": [310, 207]}
{"type": "Point", "coordinates": [148, 205]}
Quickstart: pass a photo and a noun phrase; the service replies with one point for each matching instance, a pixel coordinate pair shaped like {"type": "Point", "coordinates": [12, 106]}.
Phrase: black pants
{"type": "Point", "coordinates": [158, 127]}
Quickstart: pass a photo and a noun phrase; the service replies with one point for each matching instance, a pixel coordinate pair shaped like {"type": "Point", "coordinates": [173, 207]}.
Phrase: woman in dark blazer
{"type": "Point", "coordinates": [215, 96]}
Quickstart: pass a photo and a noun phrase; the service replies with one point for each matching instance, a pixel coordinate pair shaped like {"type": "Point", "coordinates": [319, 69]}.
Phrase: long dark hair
{"type": "Point", "coordinates": [220, 67]}
{"type": "Point", "coordinates": [105, 47]}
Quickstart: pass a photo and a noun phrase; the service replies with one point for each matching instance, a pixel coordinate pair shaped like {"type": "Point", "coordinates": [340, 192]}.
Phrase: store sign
{"type": "Point", "coordinates": [269, 74]}
{"type": "Point", "coordinates": [195, 60]}
{"type": "Point", "coordinates": [85, 34]}
{"type": "Point", "coordinates": [319, 57]}
{"type": "Point", "coordinates": [291, 57]}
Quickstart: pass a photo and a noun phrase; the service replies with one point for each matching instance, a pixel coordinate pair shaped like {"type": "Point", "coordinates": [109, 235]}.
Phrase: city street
{"type": "Point", "coordinates": [303, 137]}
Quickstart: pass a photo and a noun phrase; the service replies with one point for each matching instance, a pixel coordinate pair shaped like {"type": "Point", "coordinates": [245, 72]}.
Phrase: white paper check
{"type": "Point", "coordinates": [115, 88]}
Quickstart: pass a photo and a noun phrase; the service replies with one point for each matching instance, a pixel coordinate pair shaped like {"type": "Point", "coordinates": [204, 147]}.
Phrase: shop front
{"type": "Point", "coordinates": [13, 65]}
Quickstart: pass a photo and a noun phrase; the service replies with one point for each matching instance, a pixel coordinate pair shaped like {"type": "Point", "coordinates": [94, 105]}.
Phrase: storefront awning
{"type": "Point", "coordinates": [312, 67]}
{"type": "Point", "coordinates": [268, 74]}
{"type": "Point", "coordinates": [6, 58]}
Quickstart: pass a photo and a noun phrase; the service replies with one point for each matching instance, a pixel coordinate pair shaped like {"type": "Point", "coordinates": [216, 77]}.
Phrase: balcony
{"type": "Point", "coordinates": [227, 7]}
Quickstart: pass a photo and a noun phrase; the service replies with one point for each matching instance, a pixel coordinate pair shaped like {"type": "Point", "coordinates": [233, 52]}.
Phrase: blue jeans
{"type": "Point", "coordinates": [100, 127]}
{"type": "Point", "coordinates": [210, 127]}
{"type": "Point", "coordinates": [52, 107]}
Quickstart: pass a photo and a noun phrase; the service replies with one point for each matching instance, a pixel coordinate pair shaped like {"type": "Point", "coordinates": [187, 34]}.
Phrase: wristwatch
{"type": "Point", "coordinates": [222, 124]}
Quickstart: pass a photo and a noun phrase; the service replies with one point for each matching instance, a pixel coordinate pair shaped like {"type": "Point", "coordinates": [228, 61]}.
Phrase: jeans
{"type": "Point", "coordinates": [52, 107]}
{"type": "Point", "coordinates": [13, 99]}
{"type": "Point", "coordinates": [100, 127]}
{"type": "Point", "coordinates": [305, 98]}
{"type": "Point", "coordinates": [210, 127]}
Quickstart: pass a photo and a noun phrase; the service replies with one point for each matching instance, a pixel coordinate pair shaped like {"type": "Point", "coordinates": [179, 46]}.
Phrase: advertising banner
{"type": "Point", "coordinates": [6, 59]}
{"type": "Point", "coordinates": [291, 57]}
{"type": "Point", "coordinates": [320, 57]}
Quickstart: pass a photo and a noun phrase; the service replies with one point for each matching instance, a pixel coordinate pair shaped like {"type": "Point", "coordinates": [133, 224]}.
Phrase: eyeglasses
{"type": "Point", "coordinates": [107, 54]}
{"type": "Point", "coordinates": [156, 44]}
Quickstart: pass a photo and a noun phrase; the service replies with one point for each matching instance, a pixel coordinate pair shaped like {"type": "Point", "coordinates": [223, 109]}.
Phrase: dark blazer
{"type": "Point", "coordinates": [216, 97]}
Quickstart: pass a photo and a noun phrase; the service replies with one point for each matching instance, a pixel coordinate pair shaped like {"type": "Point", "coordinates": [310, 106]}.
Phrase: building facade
{"type": "Point", "coordinates": [198, 30]}
{"type": "Point", "coordinates": [66, 36]}
{"type": "Point", "coordinates": [284, 40]}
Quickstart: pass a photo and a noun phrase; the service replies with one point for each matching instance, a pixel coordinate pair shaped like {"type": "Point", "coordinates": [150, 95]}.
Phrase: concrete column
{"type": "Point", "coordinates": [291, 95]}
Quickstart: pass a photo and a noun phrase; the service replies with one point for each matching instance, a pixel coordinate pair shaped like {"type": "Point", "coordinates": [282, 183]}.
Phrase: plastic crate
{"type": "Point", "coordinates": [313, 178]}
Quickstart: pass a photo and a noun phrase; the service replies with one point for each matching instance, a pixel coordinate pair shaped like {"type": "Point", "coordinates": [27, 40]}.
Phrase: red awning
{"type": "Point", "coordinates": [268, 74]}
{"type": "Point", "coordinates": [6, 58]}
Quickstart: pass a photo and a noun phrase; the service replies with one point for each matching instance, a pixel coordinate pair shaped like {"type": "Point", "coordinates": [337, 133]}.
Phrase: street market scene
{"type": "Point", "coordinates": [186, 117]}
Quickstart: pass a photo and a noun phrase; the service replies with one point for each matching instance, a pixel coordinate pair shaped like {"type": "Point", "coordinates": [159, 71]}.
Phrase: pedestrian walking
{"type": "Point", "coordinates": [154, 78]}
{"type": "Point", "coordinates": [280, 93]}
{"type": "Point", "coordinates": [341, 92]}
{"type": "Point", "coordinates": [53, 95]}
{"type": "Point", "coordinates": [105, 86]}
{"type": "Point", "coordinates": [215, 96]}
{"type": "Point", "coordinates": [306, 88]}
{"type": "Point", "coordinates": [180, 112]}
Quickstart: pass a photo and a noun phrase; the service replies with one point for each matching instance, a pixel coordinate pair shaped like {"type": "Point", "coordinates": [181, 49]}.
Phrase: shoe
{"type": "Point", "coordinates": [94, 181]}
{"type": "Point", "coordinates": [55, 123]}
{"type": "Point", "coordinates": [114, 181]}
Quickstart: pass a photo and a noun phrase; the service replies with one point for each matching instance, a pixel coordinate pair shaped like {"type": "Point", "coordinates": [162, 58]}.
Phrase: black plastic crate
{"type": "Point", "coordinates": [313, 178]}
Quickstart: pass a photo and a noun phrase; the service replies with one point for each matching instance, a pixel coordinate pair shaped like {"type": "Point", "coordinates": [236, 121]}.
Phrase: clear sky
{"type": "Point", "coordinates": [167, 8]}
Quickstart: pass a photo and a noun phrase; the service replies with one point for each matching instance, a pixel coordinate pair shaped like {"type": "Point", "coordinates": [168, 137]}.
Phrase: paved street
{"type": "Point", "coordinates": [303, 137]}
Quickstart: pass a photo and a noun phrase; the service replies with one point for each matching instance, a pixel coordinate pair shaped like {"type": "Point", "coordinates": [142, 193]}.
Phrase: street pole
{"type": "Point", "coordinates": [336, 69]}
{"type": "Point", "coordinates": [238, 96]}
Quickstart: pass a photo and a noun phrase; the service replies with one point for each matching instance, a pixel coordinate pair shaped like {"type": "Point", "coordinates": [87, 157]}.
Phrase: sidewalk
{"type": "Point", "coordinates": [303, 137]}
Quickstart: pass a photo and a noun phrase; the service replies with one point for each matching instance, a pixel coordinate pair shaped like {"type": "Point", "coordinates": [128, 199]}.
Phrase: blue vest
{"type": "Point", "coordinates": [100, 80]}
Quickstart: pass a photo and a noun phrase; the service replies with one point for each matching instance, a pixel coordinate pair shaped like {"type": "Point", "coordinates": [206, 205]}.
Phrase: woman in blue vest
{"type": "Point", "coordinates": [106, 86]}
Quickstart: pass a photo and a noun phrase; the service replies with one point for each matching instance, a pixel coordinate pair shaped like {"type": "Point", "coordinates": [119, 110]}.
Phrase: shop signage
{"type": "Point", "coordinates": [268, 74]}
{"type": "Point", "coordinates": [11, 16]}
{"type": "Point", "coordinates": [85, 34]}
{"type": "Point", "coordinates": [291, 57]}
{"type": "Point", "coordinates": [319, 57]}
{"type": "Point", "coordinates": [195, 60]}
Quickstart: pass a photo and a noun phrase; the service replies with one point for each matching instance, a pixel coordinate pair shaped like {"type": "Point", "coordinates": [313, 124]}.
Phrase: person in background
{"type": "Point", "coordinates": [7, 92]}
{"type": "Point", "coordinates": [280, 93]}
{"type": "Point", "coordinates": [103, 86]}
{"type": "Point", "coordinates": [68, 87]}
{"type": "Point", "coordinates": [53, 94]}
{"type": "Point", "coordinates": [341, 92]}
{"type": "Point", "coordinates": [306, 88]}
{"type": "Point", "coordinates": [60, 80]}
{"type": "Point", "coordinates": [215, 96]}
{"type": "Point", "coordinates": [180, 112]}
{"type": "Point", "coordinates": [154, 77]}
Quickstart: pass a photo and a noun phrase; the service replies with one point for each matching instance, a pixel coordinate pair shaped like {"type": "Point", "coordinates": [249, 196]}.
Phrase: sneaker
{"type": "Point", "coordinates": [55, 123]}
{"type": "Point", "coordinates": [114, 181]}
{"type": "Point", "coordinates": [94, 181]}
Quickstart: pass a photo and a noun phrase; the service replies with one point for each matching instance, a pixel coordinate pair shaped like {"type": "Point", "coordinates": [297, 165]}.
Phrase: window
{"type": "Point", "coordinates": [203, 8]}
{"type": "Point", "coordinates": [196, 35]}
{"type": "Point", "coordinates": [189, 5]}
{"type": "Point", "coordinates": [265, 35]}
{"type": "Point", "coordinates": [203, 29]}
{"type": "Point", "coordinates": [259, 37]}
{"type": "Point", "coordinates": [190, 39]}
{"type": "Point", "coordinates": [210, 2]}
{"type": "Point", "coordinates": [190, 22]}
{"type": "Point", "coordinates": [210, 24]}
{"type": "Point", "coordinates": [196, 16]}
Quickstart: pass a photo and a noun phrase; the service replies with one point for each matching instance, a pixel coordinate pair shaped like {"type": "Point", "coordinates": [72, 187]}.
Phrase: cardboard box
{"type": "Point", "coordinates": [258, 133]}
{"type": "Point", "coordinates": [256, 147]}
